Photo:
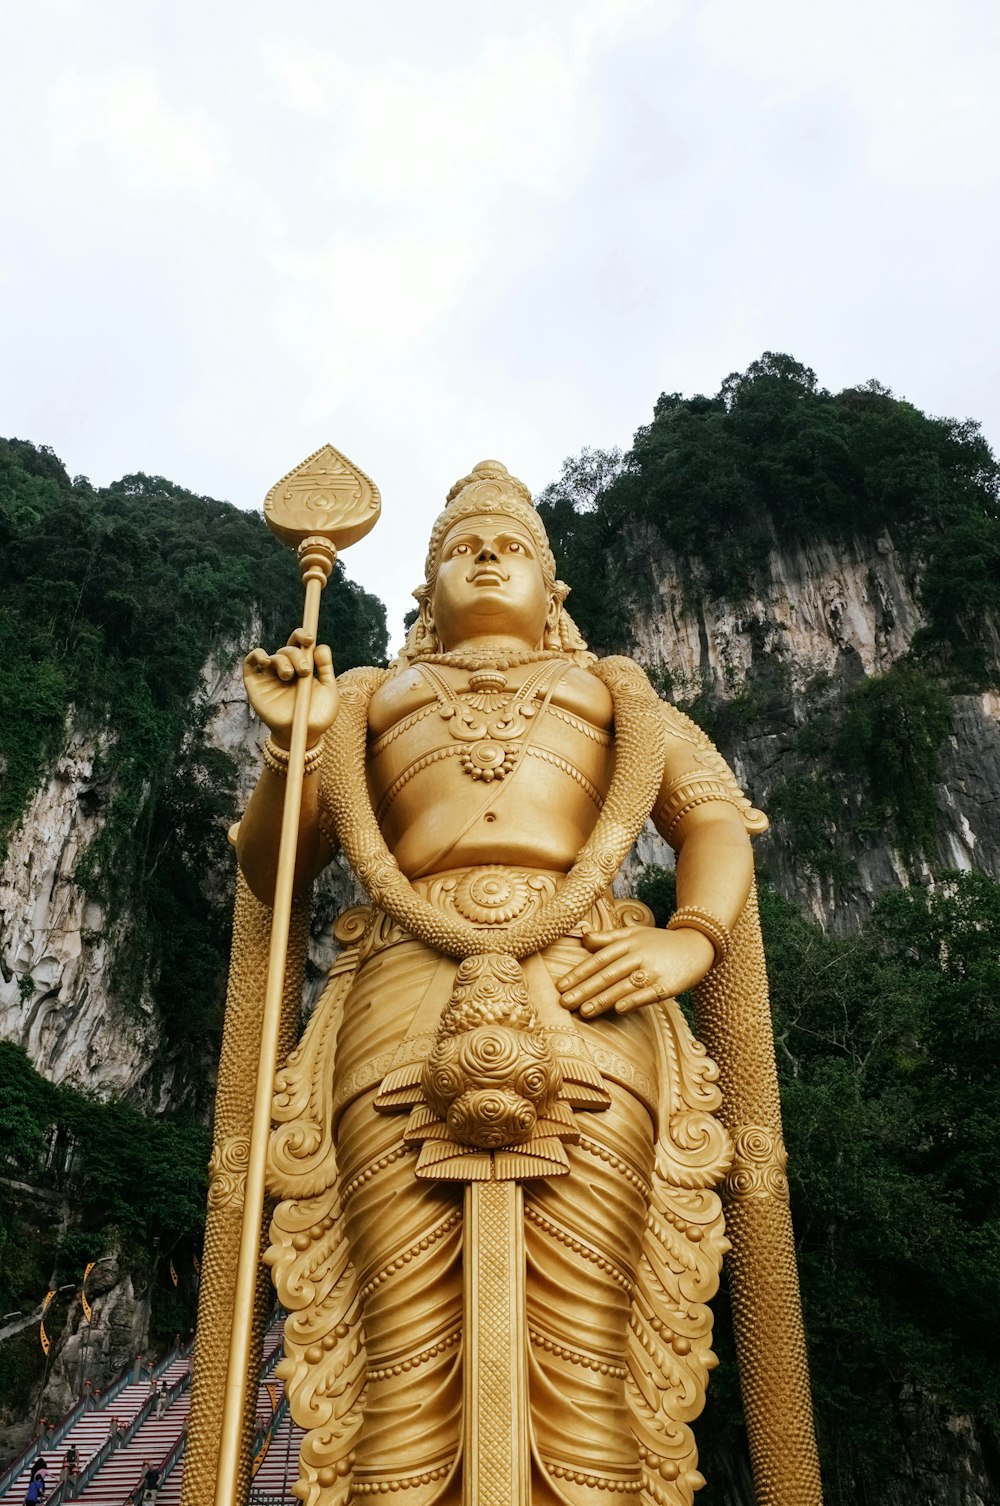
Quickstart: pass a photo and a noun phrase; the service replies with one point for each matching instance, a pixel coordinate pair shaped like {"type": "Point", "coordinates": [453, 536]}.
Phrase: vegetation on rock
{"type": "Point", "coordinates": [106, 1179]}
{"type": "Point", "coordinates": [888, 1048]}
{"type": "Point", "coordinates": [773, 458]}
{"type": "Point", "coordinates": [862, 769]}
{"type": "Point", "coordinates": [113, 602]}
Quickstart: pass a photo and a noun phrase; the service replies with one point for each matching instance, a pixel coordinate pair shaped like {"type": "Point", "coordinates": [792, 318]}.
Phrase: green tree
{"type": "Point", "coordinates": [774, 458]}
{"type": "Point", "coordinates": [113, 602]}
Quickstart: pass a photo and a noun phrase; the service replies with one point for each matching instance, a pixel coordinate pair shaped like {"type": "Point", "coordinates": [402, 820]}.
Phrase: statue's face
{"type": "Point", "coordinates": [489, 580]}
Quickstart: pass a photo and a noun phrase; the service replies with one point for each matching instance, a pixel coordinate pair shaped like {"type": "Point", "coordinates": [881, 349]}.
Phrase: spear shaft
{"type": "Point", "coordinates": [316, 559]}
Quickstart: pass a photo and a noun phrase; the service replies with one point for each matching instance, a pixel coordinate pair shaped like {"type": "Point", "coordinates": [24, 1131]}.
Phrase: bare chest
{"type": "Point", "coordinates": [532, 747]}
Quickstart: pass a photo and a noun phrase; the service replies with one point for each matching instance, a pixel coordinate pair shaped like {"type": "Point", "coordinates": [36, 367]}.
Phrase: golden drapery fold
{"type": "Point", "coordinates": [227, 1183]}
{"type": "Point", "coordinates": [622, 1253]}
{"type": "Point", "coordinates": [367, 1257]}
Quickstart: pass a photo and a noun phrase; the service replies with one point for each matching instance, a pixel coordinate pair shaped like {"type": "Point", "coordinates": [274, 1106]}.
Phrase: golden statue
{"type": "Point", "coordinates": [499, 1157]}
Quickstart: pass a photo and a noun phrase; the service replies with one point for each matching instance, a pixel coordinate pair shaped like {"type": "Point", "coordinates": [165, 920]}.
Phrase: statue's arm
{"type": "Point", "coordinates": [703, 814]}
{"type": "Point", "coordinates": [259, 835]}
{"type": "Point", "coordinates": [703, 818]}
{"type": "Point", "coordinates": [270, 681]}
{"type": "Point", "coordinates": [714, 865]}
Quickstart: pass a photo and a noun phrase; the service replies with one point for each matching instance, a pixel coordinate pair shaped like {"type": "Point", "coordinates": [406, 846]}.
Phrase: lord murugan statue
{"type": "Point", "coordinates": [503, 1172]}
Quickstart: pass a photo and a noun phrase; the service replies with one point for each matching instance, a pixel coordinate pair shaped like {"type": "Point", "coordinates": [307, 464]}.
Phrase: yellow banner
{"type": "Point", "coordinates": [173, 1273]}
{"type": "Point", "coordinates": [43, 1337]}
{"type": "Point", "coordinates": [83, 1292]}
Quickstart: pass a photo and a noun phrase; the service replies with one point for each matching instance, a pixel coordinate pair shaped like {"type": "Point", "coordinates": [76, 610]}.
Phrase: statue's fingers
{"type": "Point", "coordinates": [299, 638]}
{"type": "Point", "coordinates": [257, 660]}
{"type": "Point", "coordinates": [323, 660]}
{"type": "Point", "coordinates": [283, 666]}
{"type": "Point", "coordinates": [590, 967]}
{"type": "Point", "coordinates": [597, 939]}
{"type": "Point", "coordinates": [608, 998]}
{"type": "Point", "coordinates": [588, 988]}
{"type": "Point", "coordinates": [638, 998]}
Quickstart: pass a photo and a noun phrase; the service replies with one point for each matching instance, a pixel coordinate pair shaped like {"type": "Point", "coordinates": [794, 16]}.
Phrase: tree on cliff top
{"type": "Point", "coordinates": [773, 458]}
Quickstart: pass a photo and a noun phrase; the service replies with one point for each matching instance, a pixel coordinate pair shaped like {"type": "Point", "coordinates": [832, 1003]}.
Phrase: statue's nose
{"type": "Point", "coordinates": [487, 553]}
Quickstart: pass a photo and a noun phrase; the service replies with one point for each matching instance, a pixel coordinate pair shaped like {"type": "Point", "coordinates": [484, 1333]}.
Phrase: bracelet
{"type": "Point", "coordinates": [276, 759]}
{"type": "Point", "coordinates": [683, 795]}
{"type": "Point", "coordinates": [694, 918]}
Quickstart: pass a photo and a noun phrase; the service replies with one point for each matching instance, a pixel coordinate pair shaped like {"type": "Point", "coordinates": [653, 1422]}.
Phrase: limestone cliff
{"type": "Point", "coordinates": [53, 942]}
{"type": "Point", "coordinates": [818, 619]}
{"type": "Point", "coordinates": [56, 945]}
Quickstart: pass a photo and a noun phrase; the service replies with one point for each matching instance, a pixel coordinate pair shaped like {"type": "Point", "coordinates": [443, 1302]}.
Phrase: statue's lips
{"type": "Point", "coordinates": [487, 578]}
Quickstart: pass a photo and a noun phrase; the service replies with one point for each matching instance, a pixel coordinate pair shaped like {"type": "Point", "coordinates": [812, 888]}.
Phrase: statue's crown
{"type": "Point", "coordinates": [489, 488]}
{"type": "Point", "coordinates": [490, 481]}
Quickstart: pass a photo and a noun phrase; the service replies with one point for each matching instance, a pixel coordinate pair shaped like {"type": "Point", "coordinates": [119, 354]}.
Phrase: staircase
{"type": "Point", "coordinates": [112, 1472]}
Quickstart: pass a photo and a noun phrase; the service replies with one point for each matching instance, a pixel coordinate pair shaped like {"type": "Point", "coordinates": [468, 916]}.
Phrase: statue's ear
{"type": "Point", "coordinates": [553, 637]}
{"type": "Point", "coordinates": [427, 641]}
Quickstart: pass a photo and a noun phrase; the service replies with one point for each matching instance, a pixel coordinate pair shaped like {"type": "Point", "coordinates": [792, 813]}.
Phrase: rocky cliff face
{"type": "Point", "coordinates": [818, 615]}
{"type": "Point", "coordinates": [55, 943]}
{"type": "Point", "coordinates": [824, 608]}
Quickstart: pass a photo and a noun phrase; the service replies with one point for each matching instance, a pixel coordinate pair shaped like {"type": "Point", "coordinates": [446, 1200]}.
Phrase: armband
{"type": "Point", "coordinates": [683, 795]}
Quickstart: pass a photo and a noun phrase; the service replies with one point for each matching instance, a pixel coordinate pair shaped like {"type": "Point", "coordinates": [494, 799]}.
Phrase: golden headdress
{"type": "Point", "coordinates": [490, 488]}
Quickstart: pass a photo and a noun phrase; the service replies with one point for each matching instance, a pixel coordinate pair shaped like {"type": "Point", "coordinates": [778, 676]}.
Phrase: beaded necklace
{"type": "Point", "coordinates": [490, 658]}
{"type": "Point", "coordinates": [488, 722]}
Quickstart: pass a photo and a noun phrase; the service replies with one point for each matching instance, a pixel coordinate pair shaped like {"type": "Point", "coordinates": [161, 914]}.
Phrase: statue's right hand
{"type": "Point", "coordinates": [271, 681]}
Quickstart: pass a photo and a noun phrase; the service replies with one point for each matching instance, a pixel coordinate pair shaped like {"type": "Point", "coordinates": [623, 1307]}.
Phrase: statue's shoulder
{"type": "Point", "coordinates": [399, 692]}
{"type": "Point", "coordinates": [624, 677]}
{"type": "Point", "coordinates": [582, 691]}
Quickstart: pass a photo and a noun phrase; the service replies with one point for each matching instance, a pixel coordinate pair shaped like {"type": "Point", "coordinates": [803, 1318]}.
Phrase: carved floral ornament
{"type": "Point", "coordinates": [759, 1164]}
{"type": "Point", "coordinates": [227, 1171]}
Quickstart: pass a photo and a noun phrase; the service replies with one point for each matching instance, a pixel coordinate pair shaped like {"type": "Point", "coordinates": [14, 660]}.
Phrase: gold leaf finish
{"type": "Point", "coordinates": [325, 495]}
{"type": "Point", "coordinates": [500, 1158]}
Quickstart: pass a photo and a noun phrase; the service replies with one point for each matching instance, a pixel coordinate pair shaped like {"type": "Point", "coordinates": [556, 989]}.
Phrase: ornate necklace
{"type": "Point", "coordinates": [348, 819]}
{"type": "Point", "coordinates": [491, 658]}
{"type": "Point", "coordinates": [488, 722]}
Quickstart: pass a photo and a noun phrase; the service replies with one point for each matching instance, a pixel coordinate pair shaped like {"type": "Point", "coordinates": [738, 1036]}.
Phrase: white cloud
{"type": "Point", "coordinates": [383, 292]}
{"type": "Point", "coordinates": [429, 233]}
{"type": "Point", "coordinates": [124, 117]}
{"type": "Point", "coordinates": [919, 81]}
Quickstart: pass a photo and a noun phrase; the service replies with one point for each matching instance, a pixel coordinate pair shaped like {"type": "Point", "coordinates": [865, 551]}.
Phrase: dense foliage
{"type": "Point", "coordinates": [863, 768]}
{"type": "Point", "coordinates": [112, 603]}
{"type": "Point", "coordinates": [107, 1180]}
{"type": "Point", "coordinates": [133, 1177]}
{"type": "Point", "coordinates": [774, 457]}
{"type": "Point", "coordinates": [889, 1057]}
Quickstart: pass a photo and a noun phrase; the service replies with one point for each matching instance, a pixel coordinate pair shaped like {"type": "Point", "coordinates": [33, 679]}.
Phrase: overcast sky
{"type": "Point", "coordinates": [434, 232]}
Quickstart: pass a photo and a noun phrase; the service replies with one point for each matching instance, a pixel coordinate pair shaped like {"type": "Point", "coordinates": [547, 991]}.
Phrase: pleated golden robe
{"type": "Point", "coordinates": [623, 1252]}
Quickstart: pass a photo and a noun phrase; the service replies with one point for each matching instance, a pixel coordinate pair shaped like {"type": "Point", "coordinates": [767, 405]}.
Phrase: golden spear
{"type": "Point", "coordinates": [321, 507]}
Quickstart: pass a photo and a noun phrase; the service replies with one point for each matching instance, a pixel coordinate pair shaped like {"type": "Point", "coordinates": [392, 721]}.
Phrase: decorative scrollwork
{"type": "Point", "coordinates": [492, 1072]}
{"type": "Point", "coordinates": [759, 1164]}
{"type": "Point", "coordinates": [227, 1171]}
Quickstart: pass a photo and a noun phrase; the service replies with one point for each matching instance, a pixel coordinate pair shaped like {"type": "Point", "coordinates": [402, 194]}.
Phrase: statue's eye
{"type": "Point", "coordinates": [515, 547]}
{"type": "Point", "coordinates": [461, 549]}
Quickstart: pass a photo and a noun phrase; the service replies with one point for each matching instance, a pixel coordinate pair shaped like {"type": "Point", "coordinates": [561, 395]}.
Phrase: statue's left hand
{"type": "Point", "coordinates": [633, 966]}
